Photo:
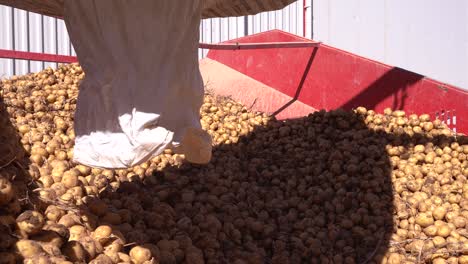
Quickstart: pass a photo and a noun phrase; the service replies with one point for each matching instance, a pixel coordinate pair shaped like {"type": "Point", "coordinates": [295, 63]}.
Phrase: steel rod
{"type": "Point", "coordinates": [35, 56]}
{"type": "Point", "coordinates": [263, 45]}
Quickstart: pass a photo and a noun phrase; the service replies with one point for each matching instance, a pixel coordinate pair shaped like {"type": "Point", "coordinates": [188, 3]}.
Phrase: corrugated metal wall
{"type": "Point", "coordinates": [289, 19]}
{"type": "Point", "coordinates": [26, 31]}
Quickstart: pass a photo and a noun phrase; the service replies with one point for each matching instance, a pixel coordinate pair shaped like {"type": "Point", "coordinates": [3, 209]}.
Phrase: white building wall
{"type": "Point", "coordinates": [429, 37]}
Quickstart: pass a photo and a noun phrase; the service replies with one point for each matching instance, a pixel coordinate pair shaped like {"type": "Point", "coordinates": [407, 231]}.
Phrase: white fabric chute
{"type": "Point", "coordinates": [142, 90]}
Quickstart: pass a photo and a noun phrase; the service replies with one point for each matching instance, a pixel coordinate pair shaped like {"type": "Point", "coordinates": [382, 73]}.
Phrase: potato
{"type": "Point", "coordinates": [113, 255]}
{"type": "Point", "coordinates": [102, 234]}
{"type": "Point", "coordinates": [53, 213]}
{"type": "Point", "coordinates": [112, 218]}
{"type": "Point", "coordinates": [155, 252]}
{"type": "Point", "coordinates": [439, 261]}
{"type": "Point", "coordinates": [60, 123]}
{"type": "Point", "coordinates": [46, 180]}
{"type": "Point", "coordinates": [281, 189]}
{"type": "Point", "coordinates": [14, 207]}
{"type": "Point", "coordinates": [115, 247]}
{"type": "Point", "coordinates": [92, 247]}
{"type": "Point", "coordinates": [431, 230]}
{"type": "Point", "coordinates": [30, 222]}
{"type": "Point", "coordinates": [89, 220]}
{"type": "Point", "coordinates": [6, 191]}
{"type": "Point", "coordinates": [124, 257]}
{"type": "Point", "coordinates": [61, 230]}
{"type": "Point", "coordinates": [91, 190]}
{"type": "Point", "coordinates": [7, 221]}
{"type": "Point", "coordinates": [7, 258]}
{"type": "Point", "coordinates": [165, 245]}
{"type": "Point", "coordinates": [194, 255]}
{"type": "Point", "coordinates": [59, 165]}
{"type": "Point", "coordinates": [109, 174]}
{"type": "Point", "coordinates": [102, 259]}
{"type": "Point", "coordinates": [439, 213]}
{"type": "Point", "coordinates": [438, 241]}
{"type": "Point", "coordinates": [59, 188]}
{"type": "Point", "coordinates": [77, 232]}
{"type": "Point", "coordinates": [463, 259]}
{"type": "Point", "coordinates": [84, 170]}
{"type": "Point", "coordinates": [23, 129]}
{"type": "Point", "coordinates": [443, 230]}
{"type": "Point", "coordinates": [37, 260]}
{"type": "Point", "coordinates": [451, 215]}
{"type": "Point", "coordinates": [98, 207]}
{"type": "Point", "coordinates": [51, 249]}
{"type": "Point", "coordinates": [6, 239]}
{"type": "Point", "coordinates": [49, 237]}
{"type": "Point", "coordinates": [70, 178]}
{"type": "Point", "coordinates": [28, 248]}
{"type": "Point", "coordinates": [179, 254]}
{"type": "Point", "coordinates": [424, 219]}
{"type": "Point", "coordinates": [459, 221]}
{"type": "Point", "coordinates": [415, 246]}
{"type": "Point", "coordinates": [140, 254]}
{"type": "Point", "coordinates": [75, 252]}
{"type": "Point", "coordinates": [69, 220]}
{"type": "Point", "coordinates": [76, 192]}
{"type": "Point", "coordinates": [167, 257]}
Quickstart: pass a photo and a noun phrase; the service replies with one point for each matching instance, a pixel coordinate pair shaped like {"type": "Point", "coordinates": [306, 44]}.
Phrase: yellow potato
{"type": "Point", "coordinates": [140, 254]}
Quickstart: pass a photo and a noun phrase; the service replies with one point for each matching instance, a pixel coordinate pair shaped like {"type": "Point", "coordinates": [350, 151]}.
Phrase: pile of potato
{"type": "Point", "coordinates": [332, 187]}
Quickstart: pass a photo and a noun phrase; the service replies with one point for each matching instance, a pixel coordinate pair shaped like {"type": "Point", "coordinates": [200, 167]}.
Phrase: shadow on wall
{"type": "Point", "coordinates": [301, 83]}
{"type": "Point", "coordinates": [392, 83]}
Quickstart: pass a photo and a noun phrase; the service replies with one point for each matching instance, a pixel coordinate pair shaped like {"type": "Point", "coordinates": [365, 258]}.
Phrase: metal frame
{"type": "Point", "coordinates": [260, 45]}
{"type": "Point", "coordinates": [34, 56]}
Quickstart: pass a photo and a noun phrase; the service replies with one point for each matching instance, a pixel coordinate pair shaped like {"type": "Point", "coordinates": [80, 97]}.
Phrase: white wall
{"type": "Point", "coordinates": [429, 37]}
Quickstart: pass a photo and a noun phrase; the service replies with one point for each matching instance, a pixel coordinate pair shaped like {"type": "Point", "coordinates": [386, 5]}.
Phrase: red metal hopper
{"type": "Point", "coordinates": [293, 82]}
{"type": "Point", "coordinates": [290, 76]}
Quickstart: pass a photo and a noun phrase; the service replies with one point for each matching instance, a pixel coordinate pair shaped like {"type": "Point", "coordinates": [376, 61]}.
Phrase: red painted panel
{"type": "Point", "coordinates": [225, 81]}
{"type": "Point", "coordinates": [23, 55]}
{"type": "Point", "coordinates": [336, 78]}
{"type": "Point", "coordinates": [328, 78]}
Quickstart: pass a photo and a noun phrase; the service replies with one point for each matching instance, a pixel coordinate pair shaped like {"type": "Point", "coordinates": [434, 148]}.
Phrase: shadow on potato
{"type": "Point", "coordinates": [321, 189]}
{"type": "Point", "coordinates": [308, 190]}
